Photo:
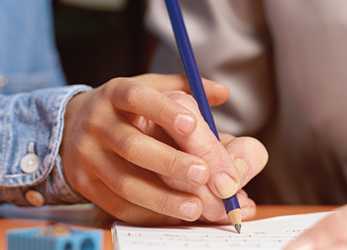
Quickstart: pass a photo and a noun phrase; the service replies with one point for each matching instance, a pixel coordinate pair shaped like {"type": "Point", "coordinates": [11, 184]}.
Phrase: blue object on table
{"type": "Point", "coordinates": [194, 78]}
{"type": "Point", "coordinates": [34, 239]}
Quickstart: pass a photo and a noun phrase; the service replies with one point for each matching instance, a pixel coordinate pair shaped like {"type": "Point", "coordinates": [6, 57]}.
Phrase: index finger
{"type": "Point", "coordinates": [216, 93]}
{"type": "Point", "coordinates": [145, 101]}
{"type": "Point", "coordinates": [225, 178]}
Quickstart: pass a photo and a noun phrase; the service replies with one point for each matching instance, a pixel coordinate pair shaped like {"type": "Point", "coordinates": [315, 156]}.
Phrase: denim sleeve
{"type": "Point", "coordinates": [31, 129]}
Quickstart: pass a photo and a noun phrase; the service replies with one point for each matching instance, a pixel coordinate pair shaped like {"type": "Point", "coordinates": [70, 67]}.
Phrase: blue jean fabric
{"type": "Point", "coordinates": [32, 103]}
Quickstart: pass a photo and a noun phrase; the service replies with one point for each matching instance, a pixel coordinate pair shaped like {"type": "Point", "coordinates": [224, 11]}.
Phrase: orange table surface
{"type": "Point", "coordinates": [262, 212]}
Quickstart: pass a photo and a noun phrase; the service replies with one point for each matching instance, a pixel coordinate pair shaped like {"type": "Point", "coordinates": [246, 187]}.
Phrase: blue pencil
{"type": "Point", "coordinates": [231, 204]}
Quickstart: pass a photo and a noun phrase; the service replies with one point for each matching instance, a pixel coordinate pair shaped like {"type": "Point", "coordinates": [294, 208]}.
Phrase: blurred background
{"type": "Point", "coordinates": [99, 41]}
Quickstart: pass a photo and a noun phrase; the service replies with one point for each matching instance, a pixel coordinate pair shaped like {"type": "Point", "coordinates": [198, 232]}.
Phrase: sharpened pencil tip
{"type": "Point", "coordinates": [238, 228]}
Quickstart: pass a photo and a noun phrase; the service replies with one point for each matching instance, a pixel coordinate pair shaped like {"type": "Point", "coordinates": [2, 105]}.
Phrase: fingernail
{"type": "Point", "coordinates": [225, 185]}
{"type": "Point", "coordinates": [184, 124]}
{"type": "Point", "coordinates": [198, 173]}
{"type": "Point", "coordinates": [189, 210]}
{"type": "Point", "coordinates": [300, 245]}
{"type": "Point", "coordinates": [241, 166]}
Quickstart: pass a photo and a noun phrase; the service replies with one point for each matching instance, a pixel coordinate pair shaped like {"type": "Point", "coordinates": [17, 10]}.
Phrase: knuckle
{"type": "Point", "coordinates": [97, 125]}
{"type": "Point", "coordinates": [213, 211]}
{"type": "Point", "coordinates": [191, 101]}
{"type": "Point", "coordinates": [163, 204]}
{"type": "Point", "coordinates": [226, 139]}
{"type": "Point", "coordinates": [132, 93]}
{"type": "Point", "coordinates": [163, 107]}
{"type": "Point", "coordinates": [120, 186]}
{"type": "Point", "coordinates": [150, 76]}
{"type": "Point", "coordinates": [95, 118]}
{"type": "Point", "coordinates": [83, 179]}
{"type": "Point", "coordinates": [117, 82]}
{"type": "Point", "coordinates": [208, 150]}
{"type": "Point", "coordinates": [92, 123]}
{"type": "Point", "coordinates": [116, 88]}
{"type": "Point", "coordinates": [121, 212]}
{"type": "Point", "coordinates": [111, 86]}
{"type": "Point", "coordinates": [184, 99]}
{"type": "Point", "coordinates": [173, 163]}
{"type": "Point", "coordinates": [126, 145]}
{"type": "Point", "coordinates": [83, 146]}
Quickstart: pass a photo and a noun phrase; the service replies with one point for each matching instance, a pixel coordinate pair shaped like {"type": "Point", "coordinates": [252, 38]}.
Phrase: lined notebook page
{"type": "Point", "coordinates": [265, 234]}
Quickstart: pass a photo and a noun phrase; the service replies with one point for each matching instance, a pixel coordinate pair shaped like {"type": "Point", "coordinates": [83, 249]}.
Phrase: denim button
{"type": "Point", "coordinates": [30, 163]}
{"type": "Point", "coordinates": [35, 198]}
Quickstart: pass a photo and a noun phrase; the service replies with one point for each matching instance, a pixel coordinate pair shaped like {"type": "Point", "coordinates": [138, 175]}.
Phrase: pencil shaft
{"type": "Point", "coordinates": [189, 62]}
{"type": "Point", "coordinates": [194, 78]}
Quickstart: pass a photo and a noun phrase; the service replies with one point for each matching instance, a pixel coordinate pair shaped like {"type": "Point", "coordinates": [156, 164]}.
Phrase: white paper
{"type": "Point", "coordinates": [267, 234]}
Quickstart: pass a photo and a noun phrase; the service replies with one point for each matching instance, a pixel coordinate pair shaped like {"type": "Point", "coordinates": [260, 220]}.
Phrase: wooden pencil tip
{"type": "Point", "coordinates": [235, 216]}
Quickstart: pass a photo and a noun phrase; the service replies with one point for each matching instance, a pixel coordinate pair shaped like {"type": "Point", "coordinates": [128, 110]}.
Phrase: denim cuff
{"type": "Point", "coordinates": [31, 130]}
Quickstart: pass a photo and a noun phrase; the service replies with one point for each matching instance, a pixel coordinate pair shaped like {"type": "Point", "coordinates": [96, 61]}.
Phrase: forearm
{"type": "Point", "coordinates": [31, 127]}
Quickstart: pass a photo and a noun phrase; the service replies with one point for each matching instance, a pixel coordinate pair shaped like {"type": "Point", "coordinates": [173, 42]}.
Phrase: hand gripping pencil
{"type": "Point", "coordinates": [231, 204]}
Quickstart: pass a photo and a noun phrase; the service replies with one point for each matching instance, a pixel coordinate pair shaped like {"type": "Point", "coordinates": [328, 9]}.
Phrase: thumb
{"type": "Point", "coordinates": [225, 178]}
